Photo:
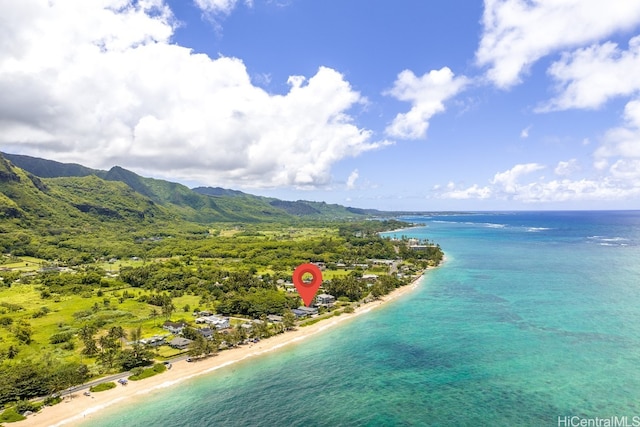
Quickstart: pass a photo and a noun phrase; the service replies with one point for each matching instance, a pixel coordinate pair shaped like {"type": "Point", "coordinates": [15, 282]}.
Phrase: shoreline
{"type": "Point", "coordinates": [80, 408]}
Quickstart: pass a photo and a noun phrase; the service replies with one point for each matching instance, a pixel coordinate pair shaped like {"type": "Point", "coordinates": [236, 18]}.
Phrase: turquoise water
{"type": "Point", "coordinates": [534, 316]}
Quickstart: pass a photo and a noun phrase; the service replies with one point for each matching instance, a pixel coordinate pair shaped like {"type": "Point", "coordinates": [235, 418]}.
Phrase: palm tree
{"type": "Point", "coordinates": [86, 333]}
{"type": "Point", "coordinates": [118, 333]}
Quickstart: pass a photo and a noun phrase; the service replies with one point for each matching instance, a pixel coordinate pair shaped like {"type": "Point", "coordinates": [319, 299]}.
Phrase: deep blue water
{"type": "Point", "coordinates": [534, 316]}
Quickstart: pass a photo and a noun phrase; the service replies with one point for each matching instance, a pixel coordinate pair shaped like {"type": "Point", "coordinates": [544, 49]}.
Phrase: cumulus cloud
{"type": "Point", "coordinates": [353, 177]}
{"type": "Point", "coordinates": [587, 78]}
{"type": "Point", "coordinates": [567, 168]}
{"type": "Point", "coordinates": [524, 134]}
{"type": "Point", "coordinates": [517, 33]}
{"type": "Point", "coordinates": [621, 183]}
{"type": "Point", "coordinates": [473, 192]}
{"type": "Point", "coordinates": [623, 141]}
{"type": "Point", "coordinates": [507, 181]}
{"type": "Point", "coordinates": [426, 95]}
{"type": "Point", "coordinates": [101, 83]}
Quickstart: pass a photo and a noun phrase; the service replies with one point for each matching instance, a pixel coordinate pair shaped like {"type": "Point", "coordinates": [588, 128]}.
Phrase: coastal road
{"type": "Point", "coordinates": [109, 378]}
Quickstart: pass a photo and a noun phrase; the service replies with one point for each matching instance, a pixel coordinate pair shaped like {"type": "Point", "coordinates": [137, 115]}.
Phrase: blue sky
{"type": "Point", "coordinates": [403, 105]}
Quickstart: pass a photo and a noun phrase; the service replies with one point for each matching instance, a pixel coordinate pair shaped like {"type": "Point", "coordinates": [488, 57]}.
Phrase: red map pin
{"type": "Point", "coordinates": [307, 290]}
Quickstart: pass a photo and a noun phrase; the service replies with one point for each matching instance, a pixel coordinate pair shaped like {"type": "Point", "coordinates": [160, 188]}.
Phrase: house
{"type": "Point", "coordinates": [202, 313]}
{"type": "Point", "coordinates": [325, 300]}
{"type": "Point", "coordinates": [289, 287]}
{"type": "Point", "coordinates": [299, 313]}
{"type": "Point", "coordinates": [215, 321]}
{"type": "Point", "coordinates": [180, 343]}
{"type": "Point", "coordinates": [369, 277]}
{"type": "Point", "coordinates": [321, 265]}
{"type": "Point", "coordinates": [207, 333]}
{"type": "Point", "coordinates": [418, 247]}
{"type": "Point", "coordinates": [387, 262]}
{"type": "Point", "coordinates": [154, 341]}
{"type": "Point", "coordinates": [310, 311]}
{"type": "Point", "coordinates": [174, 327]}
{"type": "Point", "coordinates": [274, 318]}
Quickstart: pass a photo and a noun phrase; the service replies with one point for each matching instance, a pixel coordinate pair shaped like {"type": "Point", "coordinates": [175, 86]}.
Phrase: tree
{"type": "Point", "coordinates": [242, 333]}
{"type": "Point", "coordinates": [232, 338]}
{"type": "Point", "coordinates": [117, 333]}
{"type": "Point", "coordinates": [108, 351]}
{"type": "Point", "coordinates": [67, 375]}
{"type": "Point", "coordinates": [168, 308]}
{"type": "Point", "coordinates": [197, 346]}
{"type": "Point", "coordinates": [289, 320]}
{"type": "Point", "coordinates": [377, 290]}
{"type": "Point", "coordinates": [86, 333]}
{"type": "Point", "coordinates": [138, 354]}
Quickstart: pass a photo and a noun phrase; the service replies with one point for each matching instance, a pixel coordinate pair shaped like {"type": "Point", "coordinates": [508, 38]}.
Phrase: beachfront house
{"type": "Point", "coordinates": [308, 311]}
{"type": "Point", "coordinates": [180, 343]}
{"type": "Point", "coordinates": [299, 313]}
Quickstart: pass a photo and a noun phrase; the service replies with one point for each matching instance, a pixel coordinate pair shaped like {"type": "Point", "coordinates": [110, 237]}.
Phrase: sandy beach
{"type": "Point", "coordinates": [81, 408]}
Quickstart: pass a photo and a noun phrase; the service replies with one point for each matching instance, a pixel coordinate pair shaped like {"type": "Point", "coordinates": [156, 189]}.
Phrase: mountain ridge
{"type": "Point", "coordinates": [200, 204]}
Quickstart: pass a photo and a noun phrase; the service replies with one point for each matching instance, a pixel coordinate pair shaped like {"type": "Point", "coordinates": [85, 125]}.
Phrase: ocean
{"type": "Point", "coordinates": [533, 320]}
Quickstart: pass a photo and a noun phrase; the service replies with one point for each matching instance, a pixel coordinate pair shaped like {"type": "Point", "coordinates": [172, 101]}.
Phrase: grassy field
{"type": "Point", "coordinates": [129, 314]}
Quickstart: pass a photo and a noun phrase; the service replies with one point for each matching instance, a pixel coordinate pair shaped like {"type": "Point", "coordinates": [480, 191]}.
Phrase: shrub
{"type": "Point", "coordinates": [51, 400]}
{"type": "Point", "coordinates": [23, 406]}
{"type": "Point", "coordinates": [102, 387]}
{"type": "Point", "coordinates": [11, 416]}
{"type": "Point", "coordinates": [146, 373]}
{"type": "Point", "coordinates": [60, 337]}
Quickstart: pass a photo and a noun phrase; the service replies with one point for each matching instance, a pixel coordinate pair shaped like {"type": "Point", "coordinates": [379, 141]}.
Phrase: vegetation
{"type": "Point", "coordinates": [92, 263]}
{"type": "Point", "coordinates": [140, 374]}
{"type": "Point", "coordinates": [11, 415]}
{"type": "Point", "coordinates": [102, 387]}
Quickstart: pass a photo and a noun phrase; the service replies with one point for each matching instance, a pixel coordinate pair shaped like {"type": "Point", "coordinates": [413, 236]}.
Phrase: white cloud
{"type": "Point", "coordinates": [507, 181]}
{"type": "Point", "coordinates": [623, 141]}
{"type": "Point", "coordinates": [101, 83]}
{"type": "Point", "coordinates": [622, 183]}
{"type": "Point", "coordinates": [473, 192]}
{"type": "Point", "coordinates": [219, 7]}
{"type": "Point", "coordinates": [426, 95]}
{"type": "Point", "coordinates": [353, 177]}
{"type": "Point", "coordinates": [587, 78]}
{"type": "Point", "coordinates": [517, 33]}
{"type": "Point", "coordinates": [567, 168]}
{"type": "Point", "coordinates": [524, 134]}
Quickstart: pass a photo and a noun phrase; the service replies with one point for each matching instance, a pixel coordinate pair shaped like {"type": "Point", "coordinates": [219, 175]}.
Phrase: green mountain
{"type": "Point", "coordinates": [73, 183]}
